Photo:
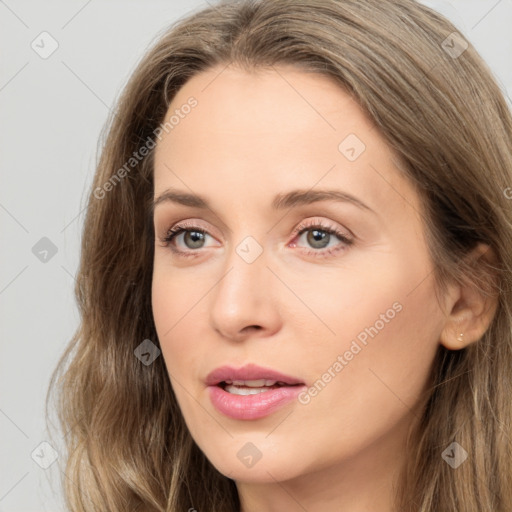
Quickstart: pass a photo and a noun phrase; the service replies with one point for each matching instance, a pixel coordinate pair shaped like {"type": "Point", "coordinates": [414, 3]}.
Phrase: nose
{"type": "Point", "coordinates": [244, 299]}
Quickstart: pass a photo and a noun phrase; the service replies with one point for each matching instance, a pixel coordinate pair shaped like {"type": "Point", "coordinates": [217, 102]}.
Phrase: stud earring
{"type": "Point", "coordinates": [460, 337]}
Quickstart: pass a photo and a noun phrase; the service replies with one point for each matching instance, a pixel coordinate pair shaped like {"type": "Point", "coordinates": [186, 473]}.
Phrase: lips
{"type": "Point", "coordinates": [251, 392]}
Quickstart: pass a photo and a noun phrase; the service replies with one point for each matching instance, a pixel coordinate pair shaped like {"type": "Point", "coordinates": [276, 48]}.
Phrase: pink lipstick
{"type": "Point", "coordinates": [251, 392]}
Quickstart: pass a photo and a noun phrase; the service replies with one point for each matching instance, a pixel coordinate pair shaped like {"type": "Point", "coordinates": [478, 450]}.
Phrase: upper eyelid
{"type": "Point", "coordinates": [326, 205]}
{"type": "Point", "coordinates": [308, 223]}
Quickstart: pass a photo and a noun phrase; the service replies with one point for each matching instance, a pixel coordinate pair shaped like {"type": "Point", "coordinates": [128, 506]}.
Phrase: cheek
{"type": "Point", "coordinates": [180, 352]}
{"type": "Point", "coordinates": [167, 311]}
{"type": "Point", "coordinates": [377, 338]}
{"type": "Point", "coordinates": [177, 306]}
{"type": "Point", "coordinates": [369, 377]}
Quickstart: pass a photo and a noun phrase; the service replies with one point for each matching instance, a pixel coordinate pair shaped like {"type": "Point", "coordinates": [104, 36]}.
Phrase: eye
{"type": "Point", "coordinates": [318, 237]}
{"type": "Point", "coordinates": [193, 237]}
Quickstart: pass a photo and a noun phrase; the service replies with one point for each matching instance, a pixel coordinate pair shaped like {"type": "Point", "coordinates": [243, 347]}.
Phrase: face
{"type": "Point", "coordinates": [307, 258]}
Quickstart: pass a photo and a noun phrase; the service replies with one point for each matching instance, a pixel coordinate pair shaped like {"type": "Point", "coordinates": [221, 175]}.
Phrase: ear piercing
{"type": "Point", "coordinates": [460, 337]}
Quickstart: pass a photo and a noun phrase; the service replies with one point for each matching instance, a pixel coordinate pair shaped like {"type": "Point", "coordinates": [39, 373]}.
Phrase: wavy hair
{"type": "Point", "coordinates": [127, 445]}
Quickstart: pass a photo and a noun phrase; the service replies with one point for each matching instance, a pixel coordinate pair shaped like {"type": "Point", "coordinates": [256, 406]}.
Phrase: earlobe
{"type": "Point", "coordinates": [472, 309]}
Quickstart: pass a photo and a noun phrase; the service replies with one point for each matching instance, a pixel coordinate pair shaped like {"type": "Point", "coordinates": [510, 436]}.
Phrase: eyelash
{"type": "Point", "coordinates": [314, 225]}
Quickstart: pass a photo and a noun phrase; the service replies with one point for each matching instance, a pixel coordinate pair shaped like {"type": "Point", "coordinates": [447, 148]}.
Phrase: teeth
{"type": "Point", "coordinates": [235, 390]}
{"type": "Point", "coordinates": [252, 383]}
{"type": "Point", "coordinates": [249, 387]}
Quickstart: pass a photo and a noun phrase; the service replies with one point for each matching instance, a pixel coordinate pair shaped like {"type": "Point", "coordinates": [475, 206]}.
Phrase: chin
{"type": "Point", "coordinates": [248, 464]}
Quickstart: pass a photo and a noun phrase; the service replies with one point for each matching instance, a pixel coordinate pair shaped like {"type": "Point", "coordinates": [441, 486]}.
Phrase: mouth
{"type": "Point", "coordinates": [251, 392]}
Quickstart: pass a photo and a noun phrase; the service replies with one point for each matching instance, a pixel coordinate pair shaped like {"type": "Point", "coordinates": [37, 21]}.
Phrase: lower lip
{"type": "Point", "coordinates": [252, 407]}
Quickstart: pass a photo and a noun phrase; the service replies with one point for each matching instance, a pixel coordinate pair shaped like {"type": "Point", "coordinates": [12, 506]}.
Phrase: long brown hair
{"type": "Point", "coordinates": [439, 107]}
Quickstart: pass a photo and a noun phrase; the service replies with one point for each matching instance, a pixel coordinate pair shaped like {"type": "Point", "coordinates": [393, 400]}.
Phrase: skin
{"type": "Point", "coordinates": [251, 136]}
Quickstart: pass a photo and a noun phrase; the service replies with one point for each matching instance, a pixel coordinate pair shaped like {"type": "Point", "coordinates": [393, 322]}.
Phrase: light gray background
{"type": "Point", "coordinates": [52, 112]}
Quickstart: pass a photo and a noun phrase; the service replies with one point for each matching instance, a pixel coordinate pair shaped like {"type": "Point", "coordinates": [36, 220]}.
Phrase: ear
{"type": "Point", "coordinates": [469, 310]}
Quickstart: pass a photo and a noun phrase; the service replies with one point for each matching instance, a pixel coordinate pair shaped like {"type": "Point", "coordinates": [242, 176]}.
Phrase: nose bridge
{"type": "Point", "coordinates": [246, 266]}
{"type": "Point", "coordinates": [243, 297]}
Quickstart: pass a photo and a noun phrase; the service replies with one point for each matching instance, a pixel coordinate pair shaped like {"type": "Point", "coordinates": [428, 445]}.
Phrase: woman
{"type": "Point", "coordinates": [295, 271]}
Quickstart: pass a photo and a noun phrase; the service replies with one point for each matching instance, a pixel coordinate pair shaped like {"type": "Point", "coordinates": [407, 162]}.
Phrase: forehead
{"type": "Point", "coordinates": [272, 130]}
{"type": "Point", "coordinates": [266, 103]}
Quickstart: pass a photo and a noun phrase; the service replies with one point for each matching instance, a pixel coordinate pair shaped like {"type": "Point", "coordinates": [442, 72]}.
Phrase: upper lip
{"type": "Point", "coordinates": [248, 372]}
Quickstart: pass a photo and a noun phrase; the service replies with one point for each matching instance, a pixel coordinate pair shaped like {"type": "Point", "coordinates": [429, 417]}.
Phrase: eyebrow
{"type": "Point", "coordinates": [281, 201]}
